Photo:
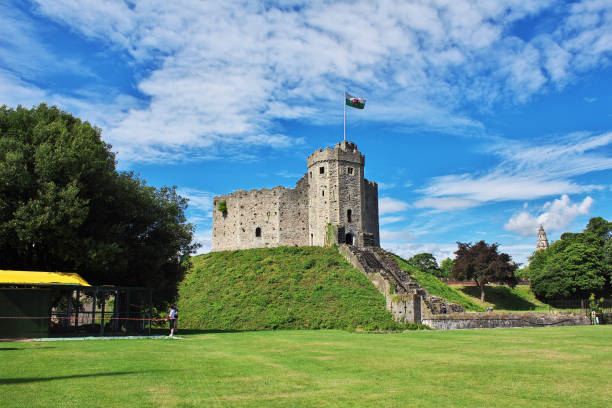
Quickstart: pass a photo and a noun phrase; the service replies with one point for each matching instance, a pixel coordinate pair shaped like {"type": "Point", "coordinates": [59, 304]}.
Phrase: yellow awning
{"type": "Point", "coordinates": [41, 278]}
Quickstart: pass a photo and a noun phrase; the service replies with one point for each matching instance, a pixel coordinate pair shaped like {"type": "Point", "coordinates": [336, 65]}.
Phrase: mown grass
{"type": "Point", "coordinates": [280, 288]}
{"type": "Point", "coordinates": [504, 298]}
{"type": "Point", "coordinates": [534, 367]}
{"type": "Point", "coordinates": [437, 288]}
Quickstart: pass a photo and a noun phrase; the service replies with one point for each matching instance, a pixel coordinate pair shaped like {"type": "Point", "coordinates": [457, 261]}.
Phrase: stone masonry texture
{"type": "Point", "coordinates": [333, 191]}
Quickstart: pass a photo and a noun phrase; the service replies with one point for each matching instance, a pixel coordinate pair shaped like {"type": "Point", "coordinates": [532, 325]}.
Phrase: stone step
{"type": "Point", "coordinates": [377, 261]}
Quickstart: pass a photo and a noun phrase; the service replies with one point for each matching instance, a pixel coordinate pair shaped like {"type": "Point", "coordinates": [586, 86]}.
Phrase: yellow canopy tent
{"type": "Point", "coordinates": [41, 278]}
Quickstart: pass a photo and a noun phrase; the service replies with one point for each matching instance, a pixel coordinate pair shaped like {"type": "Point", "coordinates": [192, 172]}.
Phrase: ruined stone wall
{"type": "Point", "coordinates": [247, 211]}
{"type": "Point", "coordinates": [476, 320]}
{"type": "Point", "coordinates": [293, 211]}
{"type": "Point", "coordinates": [370, 221]}
{"type": "Point", "coordinates": [278, 213]}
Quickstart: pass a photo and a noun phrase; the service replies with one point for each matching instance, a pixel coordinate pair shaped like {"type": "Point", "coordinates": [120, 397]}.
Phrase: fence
{"type": "Point", "coordinates": [578, 304]}
{"type": "Point", "coordinates": [452, 282]}
{"type": "Point", "coordinates": [70, 311]}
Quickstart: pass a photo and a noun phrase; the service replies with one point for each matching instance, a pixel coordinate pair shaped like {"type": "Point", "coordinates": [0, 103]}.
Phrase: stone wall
{"type": "Point", "coordinates": [370, 221]}
{"type": "Point", "coordinates": [267, 209]}
{"type": "Point", "coordinates": [293, 210]}
{"type": "Point", "coordinates": [476, 320]}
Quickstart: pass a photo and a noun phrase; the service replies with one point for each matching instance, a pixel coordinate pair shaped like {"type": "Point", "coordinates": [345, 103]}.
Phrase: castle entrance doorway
{"type": "Point", "coordinates": [349, 239]}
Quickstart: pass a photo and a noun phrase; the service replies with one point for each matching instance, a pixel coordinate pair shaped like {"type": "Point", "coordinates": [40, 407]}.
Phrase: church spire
{"type": "Point", "coordinates": [542, 240]}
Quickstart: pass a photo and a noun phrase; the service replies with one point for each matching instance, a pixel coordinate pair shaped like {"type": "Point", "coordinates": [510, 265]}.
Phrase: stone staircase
{"type": "Point", "coordinates": [407, 300]}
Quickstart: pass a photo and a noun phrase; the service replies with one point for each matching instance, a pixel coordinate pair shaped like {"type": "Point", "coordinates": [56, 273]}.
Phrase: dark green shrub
{"type": "Point", "coordinates": [222, 207]}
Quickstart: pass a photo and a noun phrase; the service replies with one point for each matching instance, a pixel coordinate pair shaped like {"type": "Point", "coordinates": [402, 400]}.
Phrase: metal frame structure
{"type": "Point", "coordinates": [75, 310]}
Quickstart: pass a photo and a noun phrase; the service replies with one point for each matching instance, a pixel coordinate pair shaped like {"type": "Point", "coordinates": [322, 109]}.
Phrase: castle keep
{"type": "Point", "coordinates": [332, 203]}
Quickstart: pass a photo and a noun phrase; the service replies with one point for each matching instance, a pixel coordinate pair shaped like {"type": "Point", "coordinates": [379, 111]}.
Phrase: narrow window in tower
{"type": "Point", "coordinates": [350, 170]}
{"type": "Point", "coordinates": [311, 174]}
{"type": "Point", "coordinates": [321, 170]}
{"type": "Point", "coordinates": [323, 193]}
{"type": "Point", "coordinates": [258, 232]}
{"type": "Point", "coordinates": [348, 215]}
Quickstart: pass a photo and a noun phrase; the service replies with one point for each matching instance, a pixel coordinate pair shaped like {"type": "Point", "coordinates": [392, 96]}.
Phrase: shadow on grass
{"type": "Point", "coordinates": [8, 381]}
{"type": "Point", "coordinates": [37, 347]}
{"type": "Point", "coordinates": [501, 297]}
{"type": "Point", "coordinates": [182, 332]}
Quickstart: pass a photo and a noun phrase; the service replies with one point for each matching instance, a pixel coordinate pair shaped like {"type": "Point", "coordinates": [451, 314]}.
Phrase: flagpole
{"type": "Point", "coordinates": [344, 104]}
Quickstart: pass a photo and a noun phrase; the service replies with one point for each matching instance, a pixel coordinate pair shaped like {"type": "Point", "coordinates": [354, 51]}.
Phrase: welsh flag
{"type": "Point", "coordinates": [354, 101]}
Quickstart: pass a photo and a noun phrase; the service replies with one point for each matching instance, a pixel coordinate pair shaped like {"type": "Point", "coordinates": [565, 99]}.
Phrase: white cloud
{"type": "Point", "coordinates": [526, 171]}
{"type": "Point", "coordinates": [288, 174]}
{"type": "Point", "coordinates": [386, 235]}
{"type": "Point", "coordinates": [204, 238]}
{"type": "Point", "coordinates": [15, 92]}
{"type": "Point", "coordinates": [555, 216]}
{"type": "Point", "coordinates": [388, 205]}
{"type": "Point", "coordinates": [519, 252]}
{"type": "Point", "coordinates": [385, 186]}
{"type": "Point", "coordinates": [390, 220]}
{"type": "Point", "coordinates": [198, 200]}
{"type": "Point", "coordinates": [407, 250]}
{"type": "Point", "coordinates": [445, 203]}
{"type": "Point", "coordinates": [219, 74]}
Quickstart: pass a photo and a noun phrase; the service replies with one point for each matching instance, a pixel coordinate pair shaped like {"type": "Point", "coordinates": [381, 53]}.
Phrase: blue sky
{"type": "Point", "coordinates": [482, 119]}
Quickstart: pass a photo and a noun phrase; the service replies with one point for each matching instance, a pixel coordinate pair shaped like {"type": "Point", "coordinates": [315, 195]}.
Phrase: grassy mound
{"type": "Point", "coordinates": [437, 288]}
{"type": "Point", "coordinates": [504, 298]}
{"type": "Point", "coordinates": [280, 288]}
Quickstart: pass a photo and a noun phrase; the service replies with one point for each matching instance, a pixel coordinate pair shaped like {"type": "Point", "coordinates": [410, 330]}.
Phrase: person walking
{"type": "Point", "coordinates": [173, 319]}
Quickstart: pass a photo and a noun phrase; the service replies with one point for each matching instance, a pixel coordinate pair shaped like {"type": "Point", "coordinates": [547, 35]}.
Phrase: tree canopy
{"type": "Point", "coordinates": [483, 264]}
{"type": "Point", "coordinates": [65, 207]}
{"type": "Point", "coordinates": [576, 265]}
{"type": "Point", "coordinates": [425, 262]}
{"type": "Point", "coordinates": [446, 268]}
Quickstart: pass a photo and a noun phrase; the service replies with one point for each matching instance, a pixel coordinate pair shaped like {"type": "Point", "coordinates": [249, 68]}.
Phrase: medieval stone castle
{"type": "Point", "coordinates": [332, 203]}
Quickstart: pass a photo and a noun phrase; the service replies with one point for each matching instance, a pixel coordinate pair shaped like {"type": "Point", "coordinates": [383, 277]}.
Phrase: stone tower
{"type": "Point", "coordinates": [332, 204]}
{"type": "Point", "coordinates": [542, 240]}
{"type": "Point", "coordinates": [339, 195]}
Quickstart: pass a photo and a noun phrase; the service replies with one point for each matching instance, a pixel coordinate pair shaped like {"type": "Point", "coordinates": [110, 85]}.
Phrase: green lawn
{"type": "Point", "coordinates": [535, 367]}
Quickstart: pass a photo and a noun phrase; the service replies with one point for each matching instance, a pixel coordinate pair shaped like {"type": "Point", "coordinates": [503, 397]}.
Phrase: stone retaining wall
{"type": "Point", "coordinates": [476, 320]}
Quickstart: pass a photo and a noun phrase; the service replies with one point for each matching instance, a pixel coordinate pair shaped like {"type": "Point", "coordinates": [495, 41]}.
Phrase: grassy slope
{"type": "Point", "coordinates": [505, 298]}
{"type": "Point", "coordinates": [279, 288]}
{"type": "Point", "coordinates": [535, 367]}
{"type": "Point", "coordinates": [437, 288]}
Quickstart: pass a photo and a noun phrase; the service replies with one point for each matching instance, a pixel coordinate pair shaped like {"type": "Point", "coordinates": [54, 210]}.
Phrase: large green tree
{"type": "Point", "coordinates": [64, 207]}
{"type": "Point", "coordinates": [446, 268]}
{"type": "Point", "coordinates": [483, 264]}
{"type": "Point", "coordinates": [576, 265]}
{"type": "Point", "coordinates": [425, 262]}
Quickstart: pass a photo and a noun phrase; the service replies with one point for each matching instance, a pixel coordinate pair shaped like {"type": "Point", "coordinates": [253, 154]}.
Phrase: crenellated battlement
{"type": "Point", "coordinates": [343, 151]}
